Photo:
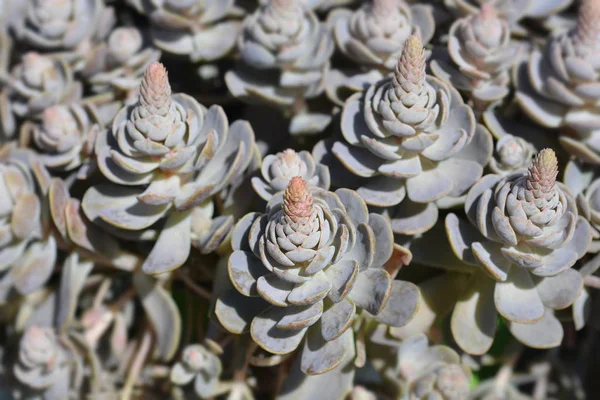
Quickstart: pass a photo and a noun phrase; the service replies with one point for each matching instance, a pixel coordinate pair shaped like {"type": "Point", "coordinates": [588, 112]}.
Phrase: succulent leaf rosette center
{"type": "Point", "coordinates": [525, 236]}
{"type": "Point", "coordinates": [310, 265]}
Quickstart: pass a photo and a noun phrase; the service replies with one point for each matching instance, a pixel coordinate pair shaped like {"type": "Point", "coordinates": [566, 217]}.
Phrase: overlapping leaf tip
{"type": "Point", "coordinates": [543, 172]}
{"type": "Point", "coordinates": [410, 69]}
{"type": "Point", "coordinates": [155, 90]}
{"type": "Point", "coordinates": [588, 23]}
{"type": "Point", "coordinates": [298, 201]}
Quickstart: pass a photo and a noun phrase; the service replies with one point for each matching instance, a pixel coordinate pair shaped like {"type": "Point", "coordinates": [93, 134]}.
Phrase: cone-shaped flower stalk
{"type": "Point", "coordinates": [525, 235]}
{"type": "Point", "coordinates": [409, 140]}
{"type": "Point", "coordinates": [512, 11]}
{"type": "Point", "coordinates": [119, 63]}
{"type": "Point", "coordinates": [512, 153]}
{"type": "Point", "coordinates": [44, 364]}
{"type": "Point", "coordinates": [285, 53]}
{"type": "Point", "coordinates": [554, 87]}
{"type": "Point", "coordinates": [39, 82]}
{"type": "Point", "coordinates": [277, 170]}
{"type": "Point", "coordinates": [167, 156]}
{"type": "Point", "coordinates": [203, 30]}
{"type": "Point", "coordinates": [480, 55]}
{"type": "Point", "coordinates": [302, 272]}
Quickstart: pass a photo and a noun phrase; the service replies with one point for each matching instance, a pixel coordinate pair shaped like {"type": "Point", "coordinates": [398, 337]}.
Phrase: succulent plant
{"type": "Point", "coordinates": [64, 138]}
{"type": "Point", "coordinates": [306, 268]}
{"type": "Point", "coordinates": [164, 156]}
{"type": "Point", "coordinates": [285, 53]}
{"type": "Point", "coordinates": [409, 140]}
{"type": "Point", "coordinates": [277, 170]}
{"type": "Point", "coordinates": [511, 10]}
{"type": "Point", "coordinates": [373, 37]}
{"type": "Point", "coordinates": [37, 83]}
{"type": "Point", "coordinates": [203, 30]}
{"type": "Point", "coordinates": [119, 62]}
{"type": "Point", "coordinates": [479, 56]}
{"type": "Point", "coordinates": [58, 25]}
{"type": "Point", "coordinates": [27, 251]}
{"type": "Point", "coordinates": [44, 364]}
{"type": "Point", "coordinates": [584, 183]}
{"type": "Point", "coordinates": [201, 365]}
{"type": "Point", "coordinates": [415, 370]}
{"type": "Point", "coordinates": [522, 238]}
{"type": "Point", "coordinates": [512, 154]}
{"type": "Point", "coordinates": [556, 86]}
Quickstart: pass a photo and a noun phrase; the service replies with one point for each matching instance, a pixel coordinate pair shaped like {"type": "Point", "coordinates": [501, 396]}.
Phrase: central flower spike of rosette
{"type": "Point", "coordinates": [306, 268]}
{"type": "Point", "coordinates": [166, 156]}
{"type": "Point", "coordinates": [410, 139]}
{"type": "Point", "coordinates": [525, 235]}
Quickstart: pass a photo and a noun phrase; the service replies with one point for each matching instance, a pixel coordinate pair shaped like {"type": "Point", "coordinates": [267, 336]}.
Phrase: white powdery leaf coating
{"type": "Point", "coordinates": [290, 48]}
{"type": "Point", "coordinates": [59, 24]}
{"type": "Point", "coordinates": [558, 85]}
{"type": "Point", "coordinates": [481, 55]}
{"type": "Point", "coordinates": [374, 35]}
{"type": "Point", "coordinates": [27, 255]}
{"type": "Point", "coordinates": [200, 365]}
{"type": "Point", "coordinates": [37, 83]}
{"type": "Point", "coordinates": [423, 371]}
{"type": "Point", "coordinates": [512, 153]}
{"type": "Point", "coordinates": [44, 364]}
{"type": "Point", "coordinates": [410, 138]}
{"type": "Point", "coordinates": [512, 10]}
{"type": "Point", "coordinates": [277, 171]}
{"type": "Point", "coordinates": [65, 137]}
{"type": "Point", "coordinates": [315, 259]}
{"type": "Point", "coordinates": [201, 30]}
{"type": "Point", "coordinates": [526, 236]}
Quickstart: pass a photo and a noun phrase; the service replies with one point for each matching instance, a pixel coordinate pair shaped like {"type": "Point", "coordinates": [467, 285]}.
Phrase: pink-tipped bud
{"type": "Point", "coordinates": [543, 171]}
{"type": "Point", "coordinates": [410, 70]}
{"type": "Point", "coordinates": [587, 31]}
{"type": "Point", "coordinates": [298, 202]}
{"type": "Point", "coordinates": [155, 90]}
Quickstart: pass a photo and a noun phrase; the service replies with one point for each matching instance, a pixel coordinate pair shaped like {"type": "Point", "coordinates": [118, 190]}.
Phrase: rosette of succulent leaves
{"type": "Point", "coordinates": [372, 38]}
{"type": "Point", "coordinates": [410, 145]}
{"type": "Point", "coordinates": [557, 85]}
{"type": "Point", "coordinates": [166, 157]}
{"type": "Point", "coordinates": [301, 273]}
{"type": "Point", "coordinates": [413, 369]}
{"type": "Point", "coordinates": [522, 236]}
{"type": "Point", "coordinates": [479, 56]}
{"type": "Point", "coordinates": [284, 59]}
{"type": "Point", "coordinates": [65, 28]}
{"type": "Point", "coordinates": [200, 370]}
{"type": "Point", "coordinates": [513, 11]}
{"type": "Point", "coordinates": [119, 62]}
{"type": "Point", "coordinates": [202, 30]}
{"type": "Point", "coordinates": [277, 171]}
{"type": "Point", "coordinates": [35, 84]}
{"type": "Point", "coordinates": [64, 138]}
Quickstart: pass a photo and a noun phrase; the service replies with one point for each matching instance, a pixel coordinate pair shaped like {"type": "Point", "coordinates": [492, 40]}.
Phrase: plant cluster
{"type": "Point", "coordinates": [299, 199]}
